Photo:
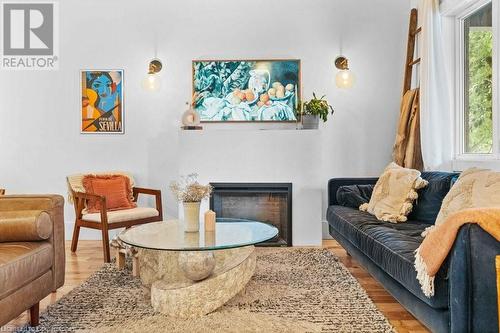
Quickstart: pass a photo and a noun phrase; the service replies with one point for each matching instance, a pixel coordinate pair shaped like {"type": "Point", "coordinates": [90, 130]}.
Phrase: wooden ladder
{"type": "Point", "coordinates": [413, 31]}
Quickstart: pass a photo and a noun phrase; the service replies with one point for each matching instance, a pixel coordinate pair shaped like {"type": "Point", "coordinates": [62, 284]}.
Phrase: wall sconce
{"type": "Point", "coordinates": [344, 78]}
{"type": "Point", "coordinates": [152, 81]}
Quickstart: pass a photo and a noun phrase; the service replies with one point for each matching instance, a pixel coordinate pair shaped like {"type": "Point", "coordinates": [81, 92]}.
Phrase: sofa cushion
{"type": "Point", "coordinates": [75, 182]}
{"type": "Point", "coordinates": [428, 203]}
{"type": "Point", "coordinates": [475, 188]}
{"type": "Point", "coordinates": [115, 188]}
{"type": "Point", "coordinates": [354, 195]}
{"type": "Point", "coordinates": [390, 246]}
{"type": "Point", "coordinates": [123, 215]}
{"type": "Point", "coordinates": [394, 193]}
{"type": "Point", "coordinates": [25, 225]}
{"type": "Point", "coordinates": [23, 262]}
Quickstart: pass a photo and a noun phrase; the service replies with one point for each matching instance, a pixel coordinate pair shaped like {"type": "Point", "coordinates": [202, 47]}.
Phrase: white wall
{"type": "Point", "coordinates": [262, 156]}
{"type": "Point", "coordinates": [40, 141]}
{"type": "Point", "coordinates": [359, 139]}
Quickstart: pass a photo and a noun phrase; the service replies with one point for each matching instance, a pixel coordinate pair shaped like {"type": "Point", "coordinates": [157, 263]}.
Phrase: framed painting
{"type": "Point", "coordinates": [246, 90]}
{"type": "Point", "coordinates": [101, 101]}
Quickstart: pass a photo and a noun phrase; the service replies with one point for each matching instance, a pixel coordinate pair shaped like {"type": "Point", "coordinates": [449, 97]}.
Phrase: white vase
{"type": "Point", "coordinates": [192, 216]}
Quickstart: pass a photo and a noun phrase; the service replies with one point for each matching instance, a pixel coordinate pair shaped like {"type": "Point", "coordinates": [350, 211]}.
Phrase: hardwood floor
{"type": "Point", "coordinates": [88, 258]}
{"type": "Point", "coordinates": [79, 266]}
{"type": "Point", "coordinates": [401, 319]}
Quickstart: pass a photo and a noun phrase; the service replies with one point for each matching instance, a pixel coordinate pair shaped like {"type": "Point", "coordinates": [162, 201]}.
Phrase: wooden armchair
{"type": "Point", "coordinates": [107, 220]}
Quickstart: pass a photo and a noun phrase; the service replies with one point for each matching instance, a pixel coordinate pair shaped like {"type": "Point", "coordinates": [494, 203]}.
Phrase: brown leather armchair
{"type": "Point", "coordinates": [32, 259]}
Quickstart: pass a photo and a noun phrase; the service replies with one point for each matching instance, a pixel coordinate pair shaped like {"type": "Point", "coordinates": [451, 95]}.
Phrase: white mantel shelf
{"type": "Point", "coordinates": [254, 155]}
{"type": "Point", "coordinates": [253, 127]}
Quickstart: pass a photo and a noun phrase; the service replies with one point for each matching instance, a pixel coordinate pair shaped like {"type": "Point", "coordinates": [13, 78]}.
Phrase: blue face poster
{"type": "Point", "coordinates": [246, 90]}
{"type": "Point", "coordinates": [102, 101]}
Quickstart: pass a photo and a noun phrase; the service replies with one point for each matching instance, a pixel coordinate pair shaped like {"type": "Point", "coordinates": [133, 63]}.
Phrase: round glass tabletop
{"type": "Point", "coordinates": [170, 235]}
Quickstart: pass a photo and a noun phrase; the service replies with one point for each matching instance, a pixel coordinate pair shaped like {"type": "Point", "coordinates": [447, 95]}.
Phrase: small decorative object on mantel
{"type": "Point", "coordinates": [191, 118]}
{"type": "Point", "coordinates": [191, 193]}
{"type": "Point", "coordinates": [313, 110]}
{"type": "Point", "coordinates": [209, 221]}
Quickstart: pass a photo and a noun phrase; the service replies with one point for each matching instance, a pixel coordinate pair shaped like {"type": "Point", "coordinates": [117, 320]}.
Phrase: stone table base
{"type": "Point", "coordinates": [173, 291]}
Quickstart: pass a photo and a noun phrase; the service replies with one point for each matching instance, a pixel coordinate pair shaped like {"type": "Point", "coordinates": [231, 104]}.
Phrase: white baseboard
{"type": "Point", "coordinates": [324, 228]}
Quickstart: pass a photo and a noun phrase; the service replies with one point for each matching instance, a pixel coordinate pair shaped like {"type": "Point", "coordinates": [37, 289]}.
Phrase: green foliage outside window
{"type": "Point", "coordinates": [479, 130]}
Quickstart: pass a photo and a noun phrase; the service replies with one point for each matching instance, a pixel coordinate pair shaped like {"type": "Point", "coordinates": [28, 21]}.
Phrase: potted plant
{"type": "Point", "coordinates": [313, 110]}
{"type": "Point", "coordinates": [191, 193]}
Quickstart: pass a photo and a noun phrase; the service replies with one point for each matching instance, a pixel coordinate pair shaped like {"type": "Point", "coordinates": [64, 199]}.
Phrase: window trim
{"type": "Point", "coordinates": [459, 133]}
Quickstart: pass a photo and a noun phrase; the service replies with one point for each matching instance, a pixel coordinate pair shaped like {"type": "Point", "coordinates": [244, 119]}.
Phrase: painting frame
{"type": "Point", "coordinates": [298, 87]}
{"type": "Point", "coordinates": [121, 96]}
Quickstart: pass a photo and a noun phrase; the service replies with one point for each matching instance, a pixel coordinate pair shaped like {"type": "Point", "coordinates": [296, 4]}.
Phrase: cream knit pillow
{"type": "Point", "coordinates": [393, 195]}
{"type": "Point", "coordinates": [474, 188]}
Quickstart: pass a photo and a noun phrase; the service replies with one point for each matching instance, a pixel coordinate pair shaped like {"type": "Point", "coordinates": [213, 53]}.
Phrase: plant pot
{"type": "Point", "coordinates": [192, 216]}
{"type": "Point", "coordinates": [310, 121]}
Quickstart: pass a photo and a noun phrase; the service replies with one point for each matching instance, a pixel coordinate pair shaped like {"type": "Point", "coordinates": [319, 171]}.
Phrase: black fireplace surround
{"type": "Point", "coordinates": [264, 202]}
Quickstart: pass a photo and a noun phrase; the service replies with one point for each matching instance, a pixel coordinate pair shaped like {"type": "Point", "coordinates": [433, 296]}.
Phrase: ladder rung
{"type": "Point", "coordinates": [414, 62]}
{"type": "Point", "coordinates": [419, 30]}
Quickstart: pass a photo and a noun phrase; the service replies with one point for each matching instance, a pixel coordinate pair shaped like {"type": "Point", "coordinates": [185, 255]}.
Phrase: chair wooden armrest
{"type": "Point", "coordinates": [88, 196]}
{"type": "Point", "coordinates": [149, 191]}
{"type": "Point", "coordinates": [81, 198]}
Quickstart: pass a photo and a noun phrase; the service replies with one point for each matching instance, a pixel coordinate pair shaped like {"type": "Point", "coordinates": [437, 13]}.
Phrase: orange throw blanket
{"type": "Point", "coordinates": [431, 254]}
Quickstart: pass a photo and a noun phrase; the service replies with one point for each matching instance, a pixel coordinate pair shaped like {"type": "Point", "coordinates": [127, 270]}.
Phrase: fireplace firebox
{"type": "Point", "coordinates": [265, 202]}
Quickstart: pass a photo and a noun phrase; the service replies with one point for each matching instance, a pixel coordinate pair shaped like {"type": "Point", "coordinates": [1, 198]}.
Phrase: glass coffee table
{"type": "Point", "coordinates": [194, 273]}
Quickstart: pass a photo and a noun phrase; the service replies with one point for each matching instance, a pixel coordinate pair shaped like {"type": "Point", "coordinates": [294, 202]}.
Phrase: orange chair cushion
{"type": "Point", "coordinates": [115, 188]}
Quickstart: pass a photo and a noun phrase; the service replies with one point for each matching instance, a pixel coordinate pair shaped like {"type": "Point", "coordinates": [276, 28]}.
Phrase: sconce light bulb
{"type": "Point", "coordinates": [151, 82]}
{"type": "Point", "coordinates": [345, 79]}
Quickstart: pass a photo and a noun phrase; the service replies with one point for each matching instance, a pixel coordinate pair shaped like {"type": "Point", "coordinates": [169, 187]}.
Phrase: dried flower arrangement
{"type": "Point", "coordinates": [187, 189]}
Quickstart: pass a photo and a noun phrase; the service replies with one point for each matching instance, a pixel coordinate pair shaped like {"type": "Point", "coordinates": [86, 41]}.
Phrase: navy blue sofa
{"type": "Point", "coordinates": [465, 297]}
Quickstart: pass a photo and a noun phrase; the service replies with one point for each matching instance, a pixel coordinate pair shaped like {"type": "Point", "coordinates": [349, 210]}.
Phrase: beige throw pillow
{"type": "Point", "coordinates": [394, 193]}
{"type": "Point", "coordinates": [474, 188]}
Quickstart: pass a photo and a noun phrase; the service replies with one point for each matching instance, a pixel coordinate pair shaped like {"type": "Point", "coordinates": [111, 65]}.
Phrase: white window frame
{"type": "Point", "coordinates": [462, 159]}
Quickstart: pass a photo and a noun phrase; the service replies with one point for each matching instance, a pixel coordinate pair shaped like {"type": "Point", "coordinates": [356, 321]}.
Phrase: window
{"type": "Point", "coordinates": [478, 79]}
{"type": "Point", "coordinates": [477, 88]}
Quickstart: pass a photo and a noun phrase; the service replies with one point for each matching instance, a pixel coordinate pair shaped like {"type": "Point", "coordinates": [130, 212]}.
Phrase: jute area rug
{"type": "Point", "coordinates": [293, 290]}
